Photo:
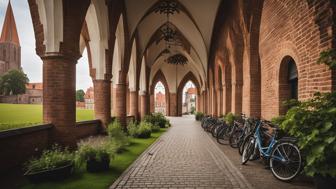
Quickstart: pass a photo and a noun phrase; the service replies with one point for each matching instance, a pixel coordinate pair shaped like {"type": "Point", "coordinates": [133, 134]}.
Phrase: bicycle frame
{"type": "Point", "coordinates": [266, 151]}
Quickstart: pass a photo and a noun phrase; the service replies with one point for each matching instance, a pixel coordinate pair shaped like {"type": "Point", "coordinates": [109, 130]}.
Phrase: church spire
{"type": "Point", "coordinates": [9, 31]}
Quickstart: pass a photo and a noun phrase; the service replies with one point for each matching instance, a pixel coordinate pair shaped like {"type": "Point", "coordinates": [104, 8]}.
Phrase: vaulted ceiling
{"type": "Point", "coordinates": [194, 24]}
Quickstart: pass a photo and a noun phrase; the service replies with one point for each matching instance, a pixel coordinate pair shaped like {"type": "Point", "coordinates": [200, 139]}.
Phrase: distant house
{"type": "Point", "coordinates": [89, 98]}
{"type": "Point", "coordinates": [189, 101]}
{"type": "Point", "coordinates": [160, 103]}
{"type": "Point", "coordinates": [33, 95]}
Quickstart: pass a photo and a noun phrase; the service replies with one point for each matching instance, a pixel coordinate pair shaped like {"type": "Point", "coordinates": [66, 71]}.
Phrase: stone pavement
{"type": "Point", "coordinates": [184, 157]}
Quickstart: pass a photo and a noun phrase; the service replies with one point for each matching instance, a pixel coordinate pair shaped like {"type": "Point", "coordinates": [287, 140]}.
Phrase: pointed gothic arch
{"type": "Point", "coordinates": [160, 77]}
{"type": "Point", "coordinates": [188, 77]}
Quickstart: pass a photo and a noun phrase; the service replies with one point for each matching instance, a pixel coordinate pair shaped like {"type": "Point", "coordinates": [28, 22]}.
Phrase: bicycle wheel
{"type": "Point", "coordinates": [242, 146]}
{"type": "Point", "coordinates": [285, 161]}
{"type": "Point", "coordinates": [215, 130]}
{"type": "Point", "coordinates": [248, 150]}
{"type": "Point", "coordinates": [221, 139]}
{"type": "Point", "coordinates": [234, 138]}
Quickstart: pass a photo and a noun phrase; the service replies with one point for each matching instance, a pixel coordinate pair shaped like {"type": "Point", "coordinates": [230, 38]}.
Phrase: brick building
{"type": "Point", "coordinates": [10, 50]}
{"type": "Point", "coordinates": [160, 103]}
{"type": "Point", "coordinates": [189, 100]}
{"type": "Point", "coordinates": [89, 98]}
{"type": "Point", "coordinates": [243, 56]}
{"type": "Point", "coordinates": [33, 95]}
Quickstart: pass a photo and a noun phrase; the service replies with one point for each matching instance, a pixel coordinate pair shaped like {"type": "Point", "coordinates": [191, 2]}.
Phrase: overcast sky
{"type": "Point", "coordinates": [31, 63]}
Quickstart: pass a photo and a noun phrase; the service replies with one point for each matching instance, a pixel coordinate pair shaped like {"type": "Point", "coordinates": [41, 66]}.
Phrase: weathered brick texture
{"type": "Point", "coordinates": [102, 100]}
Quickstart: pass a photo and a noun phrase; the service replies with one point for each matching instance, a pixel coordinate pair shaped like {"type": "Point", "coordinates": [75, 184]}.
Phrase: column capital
{"type": "Point", "coordinates": [57, 55]}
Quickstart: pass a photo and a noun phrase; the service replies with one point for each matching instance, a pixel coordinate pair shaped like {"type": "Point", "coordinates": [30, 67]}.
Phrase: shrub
{"type": "Point", "coordinates": [50, 159]}
{"type": "Point", "coordinates": [229, 118]}
{"type": "Point", "coordinates": [132, 128]}
{"type": "Point", "coordinates": [95, 148]}
{"type": "Point", "coordinates": [313, 122]}
{"type": "Point", "coordinates": [199, 116]}
{"type": "Point", "coordinates": [192, 110]}
{"type": "Point", "coordinates": [157, 119]}
{"type": "Point", "coordinates": [117, 135]}
{"type": "Point", "coordinates": [155, 128]}
{"type": "Point", "coordinates": [144, 130]}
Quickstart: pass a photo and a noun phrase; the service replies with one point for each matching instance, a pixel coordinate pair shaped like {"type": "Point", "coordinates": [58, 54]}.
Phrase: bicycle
{"type": "Point", "coordinates": [283, 155]}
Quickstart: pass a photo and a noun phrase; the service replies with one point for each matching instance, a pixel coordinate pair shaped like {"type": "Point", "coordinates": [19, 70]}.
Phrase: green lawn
{"type": "Point", "coordinates": [85, 180]}
{"type": "Point", "coordinates": [23, 115]}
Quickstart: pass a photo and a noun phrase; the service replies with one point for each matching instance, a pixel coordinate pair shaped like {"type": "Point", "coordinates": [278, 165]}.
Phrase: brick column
{"type": "Point", "coordinates": [59, 97]}
{"type": "Point", "coordinates": [151, 103]}
{"type": "Point", "coordinates": [120, 103]}
{"type": "Point", "coordinates": [198, 103]}
{"type": "Point", "coordinates": [219, 101]}
{"type": "Point", "coordinates": [102, 101]}
{"type": "Point", "coordinates": [227, 98]}
{"type": "Point", "coordinates": [134, 109]}
{"type": "Point", "coordinates": [173, 104]}
{"type": "Point", "coordinates": [143, 104]}
{"type": "Point", "coordinates": [237, 98]}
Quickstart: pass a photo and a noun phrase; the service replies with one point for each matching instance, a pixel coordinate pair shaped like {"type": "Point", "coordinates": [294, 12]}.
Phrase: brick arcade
{"type": "Point", "coordinates": [238, 58]}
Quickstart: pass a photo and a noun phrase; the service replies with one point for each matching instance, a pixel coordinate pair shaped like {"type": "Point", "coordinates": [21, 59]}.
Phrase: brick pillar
{"type": "Point", "coordinates": [151, 103]}
{"type": "Point", "coordinates": [143, 105]}
{"type": "Point", "coordinates": [120, 103]}
{"type": "Point", "coordinates": [237, 98]}
{"type": "Point", "coordinates": [198, 103]}
{"type": "Point", "coordinates": [214, 103]}
{"type": "Point", "coordinates": [102, 101]}
{"type": "Point", "coordinates": [205, 102]}
{"type": "Point", "coordinates": [173, 104]}
{"type": "Point", "coordinates": [134, 108]}
{"type": "Point", "coordinates": [227, 98]}
{"type": "Point", "coordinates": [219, 101]}
{"type": "Point", "coordinates": [59, 97]}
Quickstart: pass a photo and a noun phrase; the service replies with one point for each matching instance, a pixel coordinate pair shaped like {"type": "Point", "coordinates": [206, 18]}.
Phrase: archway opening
{"type": "Point", "coordinates": [160, 102]}
{"type": "Point", "coordinates": [84, 89]}
{"type": "Point", "coordinates": [288, 83]}
{"type": "Point", "coordinates": [189, 98]}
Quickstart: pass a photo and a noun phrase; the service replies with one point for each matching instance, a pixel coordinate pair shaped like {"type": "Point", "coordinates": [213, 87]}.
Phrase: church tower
{"type": "Point", "coordinates": [10, 50]}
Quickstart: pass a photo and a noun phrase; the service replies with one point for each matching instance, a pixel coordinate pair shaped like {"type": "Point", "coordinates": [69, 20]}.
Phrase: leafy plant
{"type": "Point", "coordinates": [145, 130]}
{"type": "Point", "coordinates": [157, 119]}
{"type": "Point", "coordinates": [97, 148]}
{"type": "Point", "coordinates": [117, 135]}
{"type": "Point", "coordinates": [132, 128]}
{"type": "Point", "coordinates": [328, 58]}
{"type": "Point", "coordinates": [192, 110]}
{"type": "Point", "coordinates": [50, 159]}
{"type": "Point", "coordinates": [199, 116]}
{"type": "Point", "coordinates": [313, 122]}
{"type": "Point", "coordinates": [229, 118]}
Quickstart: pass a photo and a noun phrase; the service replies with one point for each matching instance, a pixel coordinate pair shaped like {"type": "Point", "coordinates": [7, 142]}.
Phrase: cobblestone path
{"type": "Point", "coordinates": [184, 157]}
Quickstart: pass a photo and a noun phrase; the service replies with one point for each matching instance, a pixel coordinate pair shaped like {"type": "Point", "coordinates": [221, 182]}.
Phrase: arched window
{"type": "Point", "coordinates": [288, 83]}
{"type": "Point", "coordinates": [293, 79]}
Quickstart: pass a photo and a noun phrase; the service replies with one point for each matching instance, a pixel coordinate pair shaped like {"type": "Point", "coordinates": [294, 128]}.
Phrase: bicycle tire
{"type": "Point", "coordinates": [273, 161]}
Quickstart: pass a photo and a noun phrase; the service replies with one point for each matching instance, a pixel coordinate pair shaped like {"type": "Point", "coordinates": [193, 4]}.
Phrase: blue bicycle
{"type": "Point", "coordinates": [283, 155]}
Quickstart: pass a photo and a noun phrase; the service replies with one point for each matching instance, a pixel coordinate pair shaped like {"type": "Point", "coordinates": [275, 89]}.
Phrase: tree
{"type": "Point", "coordinates": [80, 95]}
{"type": "Point", "coordinates": [13, 82]}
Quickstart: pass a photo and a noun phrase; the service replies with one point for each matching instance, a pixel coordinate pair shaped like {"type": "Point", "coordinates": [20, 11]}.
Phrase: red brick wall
{"type": "Point", "coordinates": [252, 41]}
{"type": "Point", "coordinates": [298, 29]}
{"type": "Point", "coordinates": [16, 147]}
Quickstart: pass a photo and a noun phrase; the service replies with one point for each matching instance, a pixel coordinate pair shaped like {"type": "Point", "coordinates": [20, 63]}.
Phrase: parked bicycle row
{"type": "Point", "coordinates": [255, 139]}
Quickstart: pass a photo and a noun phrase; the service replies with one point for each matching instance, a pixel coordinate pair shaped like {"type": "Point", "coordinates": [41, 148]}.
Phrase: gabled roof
{"type": "Point", "coordinates": [9, 31]}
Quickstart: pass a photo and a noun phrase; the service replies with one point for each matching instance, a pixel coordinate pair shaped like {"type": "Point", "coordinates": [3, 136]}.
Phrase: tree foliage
{"type": "Point", "coordinates": [13, 82]}
{"type": "Point", "coordinates": [80, 95]}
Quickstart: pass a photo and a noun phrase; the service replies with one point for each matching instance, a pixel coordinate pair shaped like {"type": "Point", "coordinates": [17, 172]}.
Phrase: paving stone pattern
{"type": "Point", "coordinates": [184, 157]}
